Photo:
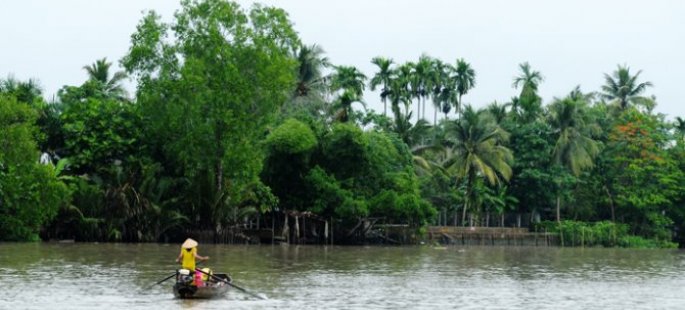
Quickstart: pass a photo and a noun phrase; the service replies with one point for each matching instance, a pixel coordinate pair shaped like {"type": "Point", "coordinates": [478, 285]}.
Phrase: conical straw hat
{"type": "Point", "coordinates": [189, 244]}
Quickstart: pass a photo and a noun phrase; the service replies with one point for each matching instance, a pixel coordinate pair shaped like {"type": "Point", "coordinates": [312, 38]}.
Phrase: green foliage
{"type": "Point", "coordinates": [352, 174]}
{"type": "Point", "coordinates": [642, 177]}
{"type": "Point", "coordinates": [344, 151]}
{"type": "Point", "coordinates": [98, 75]}
{"type": "Point", "coordinates": [528, 105]}
{"type": "Point", "coordinates": [623, 87]}
{"type": "Point", "coordinates": [327, 194]}
{"type": "Point", "coordinates": [291, 137]}
{"type": "Point", "coordinates": [30, 193]}
{"type": "Point", "coordinates": [210, 92]}
{"type": "Point", "coordinates": [644, 243]}
{"type": "Point", "coordinates": [99, 132]}
{"type": "Point", "coordinates": [604, 233]}
{"type": "Point", "coordinates": [532, 144]}
{"type": "Point", "coordinates": [234, 116]}
{"type": "Point", "coordinates": [289, 147]}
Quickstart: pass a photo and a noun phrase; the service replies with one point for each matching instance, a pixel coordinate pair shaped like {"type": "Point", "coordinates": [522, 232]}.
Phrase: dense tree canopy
{"type": "Point", "coordinates": [236, 125]}
{"type": "Point", "coordinates": [30, 193]}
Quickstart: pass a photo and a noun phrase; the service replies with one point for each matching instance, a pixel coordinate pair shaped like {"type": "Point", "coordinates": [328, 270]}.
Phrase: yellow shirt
{"type": "Point", "coordinates": [188, 259]}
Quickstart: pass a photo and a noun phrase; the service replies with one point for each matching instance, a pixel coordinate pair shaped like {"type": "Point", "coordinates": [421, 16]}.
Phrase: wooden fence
{"type": "Point", "coordinates": [490, 236]}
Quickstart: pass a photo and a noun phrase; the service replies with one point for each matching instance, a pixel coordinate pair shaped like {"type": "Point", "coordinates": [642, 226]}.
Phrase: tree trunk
{"type": "Point", "coordinates": [286, 228]}
{"type": "Point", "coordinates": [611, 204]}
{"type": "Point", "coordinates": [559, 209]}
{"type": "Point", "coordinates": [418, 110]}
{"type": "Point", "coordinates": [435, 117]}
{"type": "Point", "coordinates": [385, 105]}
{"type": "Point", "coordinates": [457, 109]}
{"type": "Point", "coordinates": [561, 233]}
{"type": "Point", "coordinates": [469, 185]}
{"type": "Point", "coordinates": [297, 229]}
{"type": "Point", "coordinates": [463, 214]}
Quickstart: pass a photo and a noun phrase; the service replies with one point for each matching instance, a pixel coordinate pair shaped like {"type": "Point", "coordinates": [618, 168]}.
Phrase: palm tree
{"type": "Point", "coordinates": [399, 94]}
{"type": "Point", "coordinates": [577, 94]}
{"type": "Point", "coordinates": [497, 111]}
{"type": "Point", "coordinates": [28, 92]}
{"type": "Point", "coordinates": [499, 200]}
{"type": "Point", "coordinates": [99, 73]}
{"type": "Point", "coordinates": [575, 149]}
{"type": "Point", "coordinates": [478, 151]}
{"type": "Point", "coordinates": [466, 79]}
{"type": "Point", "coordinates": [343, 105]}
{"type": "Point", "coordinates": [407, 73]}
{"type": "Point", "coordinates": [529, 102]}
{"type": "Point", "coordinates": [422, 78]}
{"type": "Point", "coordinates": [439, 80]}
{"type": "Point", "coordinates": [448, 96]}
{"type": "Point", "coordinates": [528, 78]}
{"type": "Point", "coordinates": [309, 73]}
{"type": "Point", "coordinates": [623, 87]}
{"type": "Point", "coordinates": [348, 78]}
{"type": "Point", "coordinates": [382, 78]}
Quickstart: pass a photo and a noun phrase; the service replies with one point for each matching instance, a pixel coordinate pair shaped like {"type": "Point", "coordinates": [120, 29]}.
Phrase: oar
{"type": "Point", "coordinates": [167, 278]}
{"type": "Point", "coordinates": [231, 284]}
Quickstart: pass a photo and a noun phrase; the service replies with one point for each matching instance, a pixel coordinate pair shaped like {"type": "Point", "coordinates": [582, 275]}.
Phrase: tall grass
{"type": "Point", "coordinates": [604, 233]}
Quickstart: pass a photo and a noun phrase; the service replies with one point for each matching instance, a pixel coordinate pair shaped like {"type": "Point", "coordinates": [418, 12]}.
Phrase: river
{"type": "Point", "coordinates": [118, 276]}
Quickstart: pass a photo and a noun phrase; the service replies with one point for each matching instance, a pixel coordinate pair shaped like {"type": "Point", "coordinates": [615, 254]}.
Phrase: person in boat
{"type": "Point", "coordinates": [189, 254]}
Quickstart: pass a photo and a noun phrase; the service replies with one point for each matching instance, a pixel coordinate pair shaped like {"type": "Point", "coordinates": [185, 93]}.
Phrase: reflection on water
{"type": "Point", "coordinates": [87, 276]}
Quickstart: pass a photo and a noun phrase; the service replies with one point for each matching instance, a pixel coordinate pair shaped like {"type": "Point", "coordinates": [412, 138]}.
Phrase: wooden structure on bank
{"type": "Point", "coordinates": [304, 227]}
{"type": "Point", "coordinates": [490, 236]}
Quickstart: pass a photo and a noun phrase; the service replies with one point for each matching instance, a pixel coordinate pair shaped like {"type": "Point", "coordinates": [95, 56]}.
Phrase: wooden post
{"type": "Point", "coordinates": [286, 229]}
{"type": "Point", "coordinates": [297, 229]}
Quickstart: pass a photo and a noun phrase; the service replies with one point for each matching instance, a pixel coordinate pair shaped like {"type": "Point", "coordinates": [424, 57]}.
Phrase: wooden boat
{"type": "Point", "coordinates": [214, 286]}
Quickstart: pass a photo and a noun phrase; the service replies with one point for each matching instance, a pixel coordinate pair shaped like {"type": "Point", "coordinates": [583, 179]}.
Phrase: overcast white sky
{"type": "Point", "coordinates": [570, 42]}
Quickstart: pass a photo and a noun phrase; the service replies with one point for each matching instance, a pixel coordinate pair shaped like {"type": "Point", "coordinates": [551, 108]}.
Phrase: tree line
{"type": "Point", "coordinates": [234, 120]}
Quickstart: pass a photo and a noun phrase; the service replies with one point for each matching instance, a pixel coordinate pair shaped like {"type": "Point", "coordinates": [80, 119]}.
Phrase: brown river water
{"type": "Point", "coordinates": [119, 276]}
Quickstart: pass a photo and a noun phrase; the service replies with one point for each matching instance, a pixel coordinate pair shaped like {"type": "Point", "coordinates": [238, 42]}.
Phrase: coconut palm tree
{"type": "Point", "coordinates": [575, 149]}
{"type": "Point", "coordinates": [311, 63]}
{"type": "Point", "coordinates": [623, 87]}
{"type": "Point", "coordinates": [478, 151]}
{"type": "Point", "coordinates": [382, 77]}
{"type": "Point", "coordinates": [110, 87]}
{"type": "Point", "coordinates": [466, 80]}
{"type": "Point", "coordinates": [497, 111]}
